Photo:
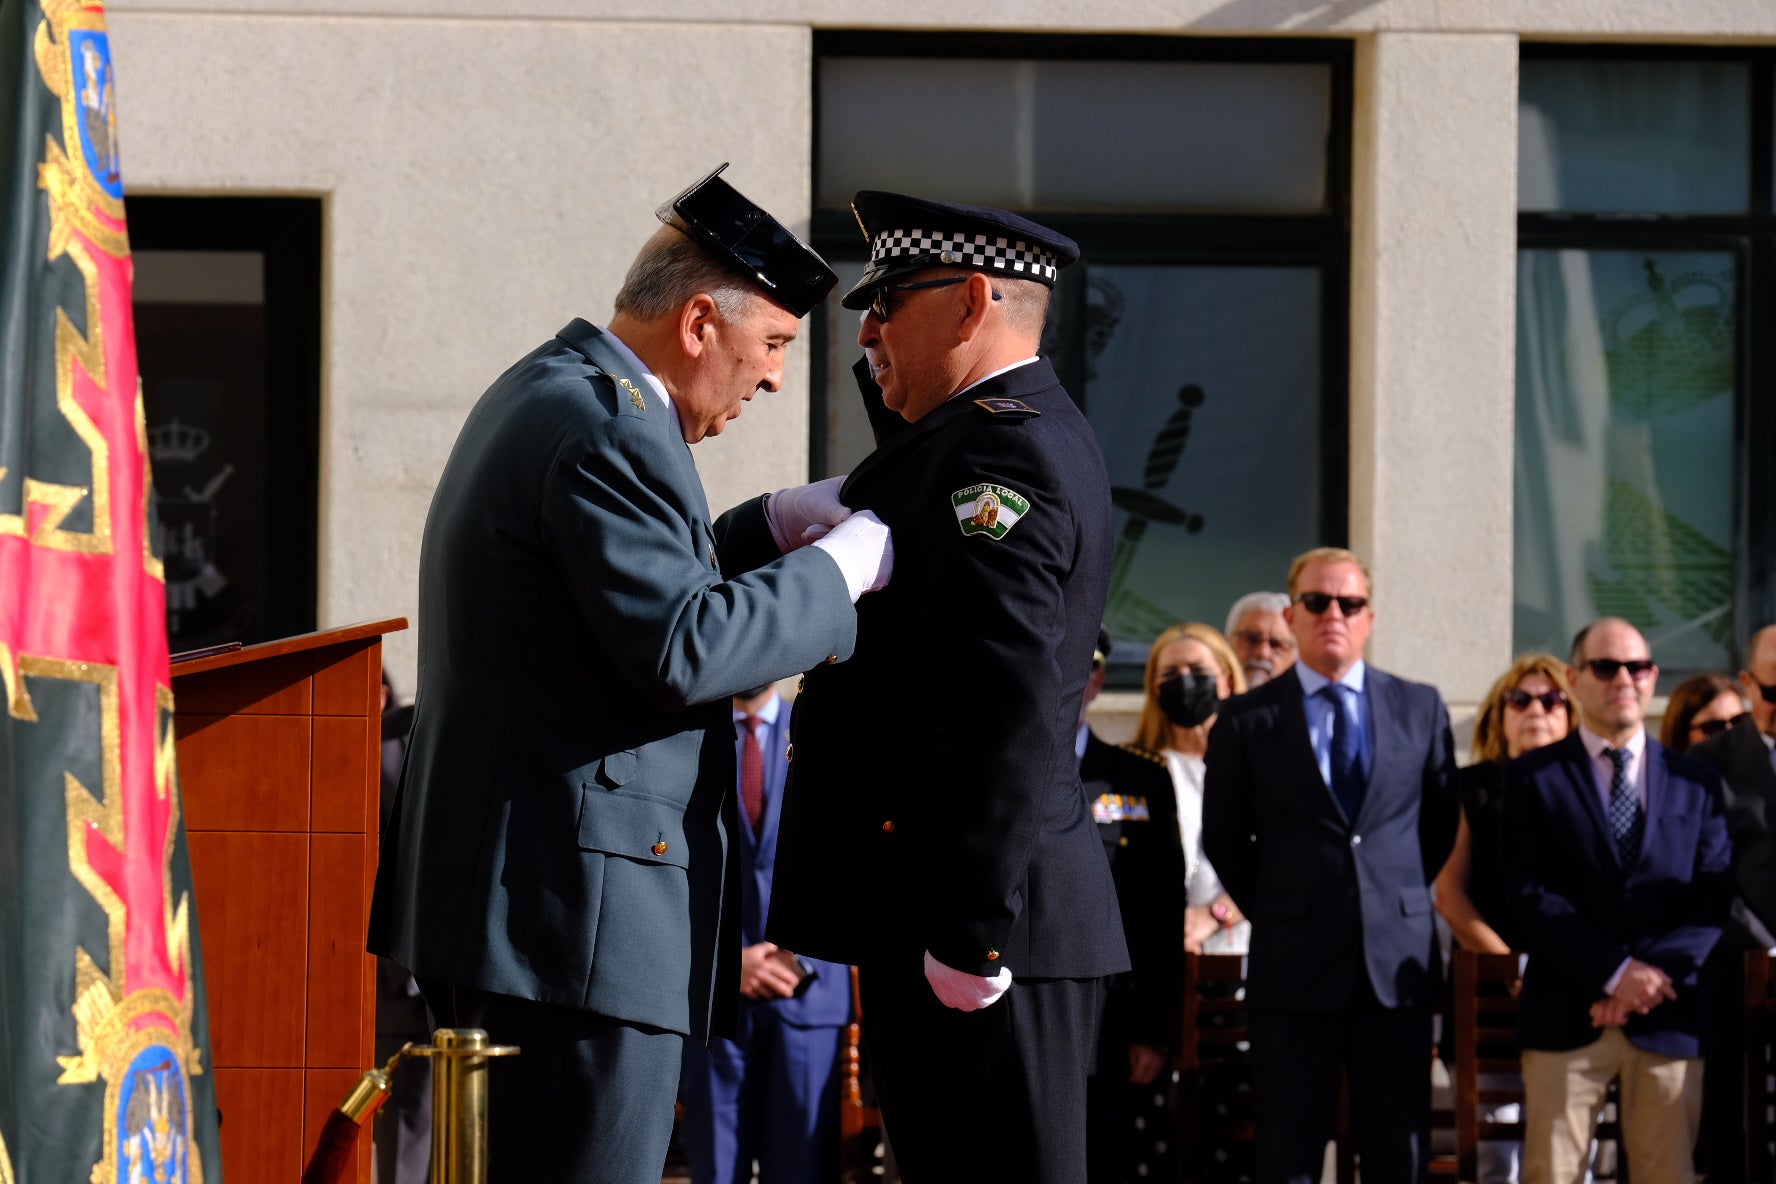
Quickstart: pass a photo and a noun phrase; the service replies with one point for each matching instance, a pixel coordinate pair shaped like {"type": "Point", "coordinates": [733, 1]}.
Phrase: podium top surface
{"type": "Point", "coordinates": [287, 645]}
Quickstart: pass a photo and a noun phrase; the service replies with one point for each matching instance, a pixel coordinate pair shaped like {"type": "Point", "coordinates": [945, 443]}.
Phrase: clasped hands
{"type": "Point", "coordinates": [813, 514]}
{"type": "Point", "coordinates": [1641, 988]}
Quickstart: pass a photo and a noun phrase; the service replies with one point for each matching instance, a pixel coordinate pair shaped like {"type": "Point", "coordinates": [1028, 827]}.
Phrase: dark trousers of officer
{"type": "Point", "coordinates": [590, 1098]}
{"type": "Point", "coordinates": [962, 1092]}
{"type": "Point", "coordinates": [1299, 1061]}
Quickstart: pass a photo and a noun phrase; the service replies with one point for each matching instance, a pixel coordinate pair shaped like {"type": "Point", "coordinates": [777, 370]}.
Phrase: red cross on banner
{"type": "Point", "coordinates": [101, 1006]}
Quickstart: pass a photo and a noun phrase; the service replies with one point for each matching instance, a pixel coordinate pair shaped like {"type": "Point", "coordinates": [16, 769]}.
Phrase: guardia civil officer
{"type": "Point", "coordinates": [557, 868]}
{"type": "Point", "coordinates": [948, 850]}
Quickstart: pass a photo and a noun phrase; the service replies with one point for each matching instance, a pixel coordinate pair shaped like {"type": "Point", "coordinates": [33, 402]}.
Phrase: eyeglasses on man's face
{"type": "Point", "coordinates": [1318, 602]}
{"type": "Point", "coordinates": [1605, 669]}
{"type": "Point", "coordinates": [879, 298]}
{"type": "Point", "coordinates": [1254, 638]}
{"type": "Point", "coordinates": [1520, 700]}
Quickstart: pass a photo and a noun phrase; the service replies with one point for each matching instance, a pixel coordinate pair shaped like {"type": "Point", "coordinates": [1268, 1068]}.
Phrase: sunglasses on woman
{"type": "Point", "coordinates": [1520, 700]}
{"type": "Point", "coordinates": [1714, 727]}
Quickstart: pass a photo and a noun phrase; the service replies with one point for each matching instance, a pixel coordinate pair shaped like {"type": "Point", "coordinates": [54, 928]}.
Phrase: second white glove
{"type": "Point", "coordinates": [864, 550]}
{"type": "Point", "coordinates": [796, 511]}
{"type": "Point", "coordinates": [964, 991]}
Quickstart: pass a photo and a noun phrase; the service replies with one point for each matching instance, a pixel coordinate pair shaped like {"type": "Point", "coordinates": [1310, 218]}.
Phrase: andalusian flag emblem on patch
{"type": "Point", "coordinates": [988, 509]}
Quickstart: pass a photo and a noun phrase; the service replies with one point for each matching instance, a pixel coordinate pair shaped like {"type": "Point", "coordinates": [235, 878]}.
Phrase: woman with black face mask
{"type": "Point", "coordinates": [1190, 669]}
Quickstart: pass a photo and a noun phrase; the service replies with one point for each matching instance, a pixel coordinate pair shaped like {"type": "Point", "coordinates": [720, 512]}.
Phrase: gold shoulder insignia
{"type": "Point", "coordinates": [634, 394]}
{"type": "Point", "coordinates": [1156, 757]}
{"type": "Point", "coordinates": [1011, 408]}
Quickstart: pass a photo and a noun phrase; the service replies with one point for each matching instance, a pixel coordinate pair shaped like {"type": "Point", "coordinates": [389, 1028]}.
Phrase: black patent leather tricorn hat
{"type": "Point", "coordinates": [720, 218]}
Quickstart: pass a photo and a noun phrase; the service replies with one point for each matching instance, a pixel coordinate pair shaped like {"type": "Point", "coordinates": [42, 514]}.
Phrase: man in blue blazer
{"type": "Point", "coordinates": [1619, 867]}
{"type": "Point", "coordinates": [1327, 811]}
{"type": "Point", "coordinates": [556, 867]}
{"type": "Point", "coordinates": [771, 1092]}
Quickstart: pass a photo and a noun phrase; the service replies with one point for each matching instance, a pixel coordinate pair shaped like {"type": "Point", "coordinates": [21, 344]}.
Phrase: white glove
{"type": "Point", "coordinates": [965, 992]}
{"type": "Point", "coordinates": [803, 513]}
{"type": "Point", "coordinates": [864, 551]}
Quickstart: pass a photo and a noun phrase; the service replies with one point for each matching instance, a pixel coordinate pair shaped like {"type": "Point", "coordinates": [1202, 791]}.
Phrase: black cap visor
{"type": "Point", "coordinates": [718, 217]}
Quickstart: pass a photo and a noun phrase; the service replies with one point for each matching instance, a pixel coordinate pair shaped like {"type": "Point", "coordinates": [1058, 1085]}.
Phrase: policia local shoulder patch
{"type": "Point", "coordinates": [991, 510]}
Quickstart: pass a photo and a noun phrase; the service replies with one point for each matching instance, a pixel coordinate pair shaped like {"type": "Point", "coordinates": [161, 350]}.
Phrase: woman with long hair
{"type": "Point", "coordinates": [1190, 669]}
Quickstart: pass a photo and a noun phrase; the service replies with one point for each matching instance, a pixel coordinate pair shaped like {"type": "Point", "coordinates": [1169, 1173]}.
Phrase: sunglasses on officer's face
{"type": "Point", "coordinates": [1605, 668]}
{"type": "Point", "coordinates": [1521, 700]}
{"type": "Point", "coordinates": [1318, 602]}
{"type": "Point", "coordinates": [879, 298]}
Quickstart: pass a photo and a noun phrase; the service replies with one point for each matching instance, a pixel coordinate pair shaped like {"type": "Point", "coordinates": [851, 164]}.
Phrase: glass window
{"type": "Point", "coordinates": [1626, 373]}
{"type": "Point", "coordinates": [1195, 330]}
{"type": "Point", "coordinates": [1203, 384]}
{"type": "Point", "coordinates": [1634, 136]}
{"type": "Point", "coordinates": [1032, 134]}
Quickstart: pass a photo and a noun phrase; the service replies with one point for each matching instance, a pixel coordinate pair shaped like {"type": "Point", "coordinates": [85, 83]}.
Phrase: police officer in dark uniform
{"type": "Point", "coordinates": [934, 830]}
{"type": "Point", "coordinates": [1131, 1126]}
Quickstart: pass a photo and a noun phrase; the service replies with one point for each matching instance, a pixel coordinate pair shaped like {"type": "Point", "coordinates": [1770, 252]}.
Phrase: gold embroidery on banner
{"type": "Point", "coordinates": [12, 524]}
{"type": "Point", "coordinates": [18, 698]}
{"type": "Point", "coordinates": [177, 920]}
{"type": "Point", "coordinates": [72, 187]}
{"type": "Point", "coordinates": [151, 563]}
{"type": "Point", "coordinates": [6, 1176]}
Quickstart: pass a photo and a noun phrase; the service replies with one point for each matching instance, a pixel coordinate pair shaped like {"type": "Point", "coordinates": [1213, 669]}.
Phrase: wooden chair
{"type": "Point", "coordinates": [860, 1125]}
{"type": "Point", "coordinates": [1215, 1073]}
{"type": "Point", "coordinates": [1486, 1048]}
{"type": "Point", "coordinates": [1760, 1066]}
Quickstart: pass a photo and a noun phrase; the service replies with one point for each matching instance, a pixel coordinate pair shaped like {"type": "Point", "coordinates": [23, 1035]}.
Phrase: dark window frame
{"type": "Point", "coordinates": [287, 231]}
{"type": "Point", "coordinates": [1751, 239]}
{"type": "Point", "coordinates": [1321, 240]}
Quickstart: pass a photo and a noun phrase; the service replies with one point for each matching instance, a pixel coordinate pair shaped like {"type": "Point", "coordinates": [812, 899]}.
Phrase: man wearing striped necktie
{"type": "Point", "coordinates": [1618, 863]}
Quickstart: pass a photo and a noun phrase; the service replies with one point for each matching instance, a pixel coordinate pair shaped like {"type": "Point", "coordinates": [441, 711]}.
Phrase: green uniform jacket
{"type": "Point", "coordinates": [563, 828]}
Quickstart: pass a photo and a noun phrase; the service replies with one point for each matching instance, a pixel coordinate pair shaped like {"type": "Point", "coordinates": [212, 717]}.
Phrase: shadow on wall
{"type": "Point", "coordinates": [1283, 14]}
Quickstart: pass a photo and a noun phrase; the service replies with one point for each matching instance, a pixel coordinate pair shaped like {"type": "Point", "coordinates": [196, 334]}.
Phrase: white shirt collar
{"type": "Point", "coordinates": [768, 712]}
{"type": "Point", "coordinates": [1080, 739]}
{"type": "Point", "coordinates": [992, 376]}
{"type": "Point", "coordinates": [1313, 682]}
{"type": "Point", "coordinates": [652, 379]}
{"type": "Point", "coordinates": [1595, 744]}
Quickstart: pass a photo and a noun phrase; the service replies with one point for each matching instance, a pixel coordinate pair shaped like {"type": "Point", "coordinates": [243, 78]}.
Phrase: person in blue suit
{"type": "Point", "coordinates": [772, 1092]}
{"type": "Point", "coordinates": [556, 865]}
{"type": "Point", "coordinates": [1327, 811]}
{"type": "Point", "coordinates": [1618, 865]}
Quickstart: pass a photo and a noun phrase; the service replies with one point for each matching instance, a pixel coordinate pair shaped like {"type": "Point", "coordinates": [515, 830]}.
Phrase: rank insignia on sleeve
{"type": "Point", "coordinates": [634, 394]}
{"type": "Point", "coordinates": [991, 510]}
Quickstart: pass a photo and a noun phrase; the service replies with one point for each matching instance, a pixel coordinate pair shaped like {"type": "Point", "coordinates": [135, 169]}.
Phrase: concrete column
{"type": "Point", "coordinates": [1434, 240]}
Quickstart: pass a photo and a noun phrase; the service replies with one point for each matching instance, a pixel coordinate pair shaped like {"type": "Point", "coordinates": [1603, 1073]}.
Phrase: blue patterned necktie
{"type": "Point", "coordinates": [1626, 821]}
{"type": "Point", "coordinates": [1347, 771]}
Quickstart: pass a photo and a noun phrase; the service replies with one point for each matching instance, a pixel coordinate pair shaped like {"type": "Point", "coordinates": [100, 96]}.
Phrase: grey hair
{"type": "Point", "coordinates": [1270, 602]}
{"type": "Point", "coordinates": [669, 270]}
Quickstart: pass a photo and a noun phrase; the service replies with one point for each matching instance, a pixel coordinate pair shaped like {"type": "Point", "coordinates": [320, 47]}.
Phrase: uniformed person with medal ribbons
{"type": "Point", "coordinates": [935, 832]}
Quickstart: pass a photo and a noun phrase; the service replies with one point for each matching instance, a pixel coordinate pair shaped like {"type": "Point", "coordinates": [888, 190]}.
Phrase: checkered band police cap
{"type": "Point", "coordinates": [908, 234]}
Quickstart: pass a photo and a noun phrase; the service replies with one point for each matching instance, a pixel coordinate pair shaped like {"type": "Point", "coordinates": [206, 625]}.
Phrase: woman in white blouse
{"type": "Point", "coordinates": [1190, 669]}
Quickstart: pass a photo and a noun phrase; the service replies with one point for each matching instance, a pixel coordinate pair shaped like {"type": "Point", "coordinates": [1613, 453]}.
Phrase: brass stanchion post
{"type": "Point", "coordinates": [459, 1103]}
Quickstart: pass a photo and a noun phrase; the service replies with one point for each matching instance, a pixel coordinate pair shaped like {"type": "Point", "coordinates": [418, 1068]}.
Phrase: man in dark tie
{"type": "Point", "coordinates": [1617, 862]}
{"type": "Point", "coordinates": [1745, 756]}
{"type": "Point", "coordinates": [1327, 811]}
{"type": "Point", "coordinates": [772, 1092]}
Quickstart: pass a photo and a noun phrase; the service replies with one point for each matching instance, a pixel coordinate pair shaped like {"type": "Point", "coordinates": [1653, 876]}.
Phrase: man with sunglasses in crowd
{"type": "Point", "coordinates": [1327, 811]}
{"type": "Point", "coordinates": [1616, 860]}
{"type": "Point", "coordinates": [1745, 756]}
{"type": "Point", "coordinates": [947, 850]}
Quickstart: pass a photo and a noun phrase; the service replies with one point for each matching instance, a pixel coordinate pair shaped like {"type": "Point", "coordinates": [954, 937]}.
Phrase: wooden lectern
{"type": "Point", "coordinates": [279, 767]}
